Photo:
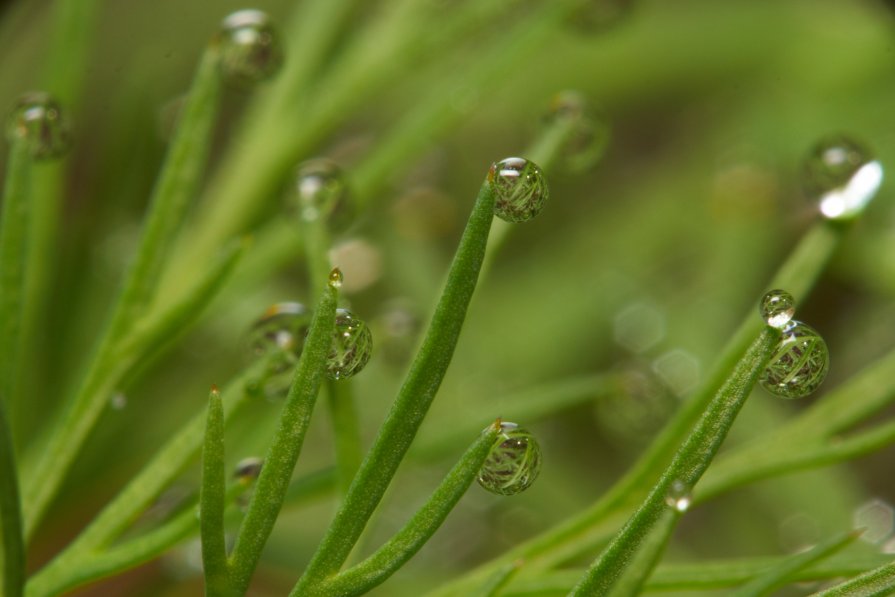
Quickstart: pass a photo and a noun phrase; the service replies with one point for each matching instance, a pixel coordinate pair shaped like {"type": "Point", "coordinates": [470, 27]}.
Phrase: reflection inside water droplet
{"type": "Point", "coordinates": [842, 176]}
{"type": "Point", "coordinates": [513, 463]}
{"type": "Point", "coordinates": [679, 496]}
{"type": "Point", "coordinates": [799, 364]}
{"type": "Point", "coordinates": [777, 308]}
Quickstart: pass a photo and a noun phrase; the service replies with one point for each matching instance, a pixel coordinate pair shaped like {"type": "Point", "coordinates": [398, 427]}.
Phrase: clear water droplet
{"type": "Point", "coordinates": [777, 308]}
{"type": "Point", "coordinates": [248, 469]}
{"type": "Point", "coordinates": [842, 175]}
{"type": "Point", "coordinates": [249, 46]}
{"type": "Point", "coordinates": [513, 463]}
{"type": "Point", "coordinates": [589, 136]}
{"type": "Point", "coordinates": [38, 121]}
{"type": "Point", "coordinates": [280, 332]}
{"type": "Point", "coordinates": [335, 278]}
{"type": "Point", "coordinates": [799, 364]}
{"type": "Point", "coordinates": [679, 496]}
{"type": "Point", "coordinates": [520, 189]}
{"type": "Point", "coordinates": [352, 346]}
{"type": "Point", "coordinates": [322, 193]}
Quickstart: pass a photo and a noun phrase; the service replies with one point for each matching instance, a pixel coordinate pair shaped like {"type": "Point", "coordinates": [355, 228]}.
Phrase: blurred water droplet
{"type": "Point", "coordinates": [397, 328]}
{"type": "Point", "coordinates": [322, 193]}
{"type": "Point", "coordinates": [889, 546]}
{"type": "Point", "coordinates": [842, 176]}
{"type": "Point", "coordinates": [679, 369]}
{"type": "Point", "coordinates": [520, 189]}
{"type": "Point", "coordinates": [877, 517]}
{"type": "Point", "coordinates": [249, 47]}
{"type": "Point", "coordinates": [281, 332]}
{"type": "Point", "coordinates": [799, 364]}
{"type": "Point", "coordinates": [248, 469]}
{"type": "Point", "coordinates": [360, 261]}
{"type": "Point", "coordinates": [352, 346]}
{"type": "Point", "coordinates": [679, 496]}
{"type": "Point", "coordinates": [638, 409]}
{"type": "Point", "coordinates": [118, 401]}
{"type": "Point", "coordinates": [589, 136]}
{"type": "Point", "coordinates": [639, 326]}
{"type": "Point", "coordinates": [38, 121]}
{"type": "Point", "coordinates": [777, 308]}
{"type": "Point", "coordinates": [513, 463]}
{"type": "Point", "coordinates": [798, 533]}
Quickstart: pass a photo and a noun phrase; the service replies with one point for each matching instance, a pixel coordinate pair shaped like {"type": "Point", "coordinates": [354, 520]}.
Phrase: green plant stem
{"type": "Point", "coordinates": [413, 401]}
{"type": "Point", "coordinates": [493, 586]}
{"type": "Point", "coordinates": [631, 581]}
{"type": "Point", "coordinates": [13, 546]}
{"type": "Point", "coordinates": [409, 540]}
{"type": "Point", "coordinates": [780, 574]}
{"type": "Point", "coordinates": [687, 466]}
{"type": "Point", "coordinates": [177, 184]}
{"type": "Point", "coordinates": [279, 463]}
{"type": "Point", "coordinates": [212, 500]}
{"type": "Point", "coordinates": [878, 582]}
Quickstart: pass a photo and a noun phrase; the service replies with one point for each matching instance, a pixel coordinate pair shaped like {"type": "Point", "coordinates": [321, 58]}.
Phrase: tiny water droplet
{"type": "Point", "coordinates": [777, 308]}
{"type": "Point", "coordinates": [352, 346]}
{"type": "Point", "coordinates": [248, 469]}
{"type": "Point", "coordinates": [513, 463]}
{"type": "Point", "coordinates": [281, 330]}
{"type": "Point", "coordinates": [249, 46]}
{"type": "Point", "coordinates": [335, 278]}
{"type": "Point", "coordinates": [679, 496]}
{"type": "Point", "coordinates": [37, 120]}
{"type": "Point", "coordinates": [520, 189]}
{"type": "Point", "coordinates": [842, 175]}
{"type": "Point", "coordinates": [799, 364]}
{"type": "Point", "coordinates": [589, 136]}
{"type": "Point", "coordinates": [322, 192]}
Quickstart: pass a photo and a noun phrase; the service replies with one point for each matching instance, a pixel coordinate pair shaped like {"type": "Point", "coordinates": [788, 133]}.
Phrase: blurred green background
{"type": "Point", "coordinates": [640, 268]}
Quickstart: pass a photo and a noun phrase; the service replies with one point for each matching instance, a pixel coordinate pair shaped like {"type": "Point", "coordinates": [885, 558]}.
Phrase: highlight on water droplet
{"type": "Point", "coordinates": [335, 278]}
{"type": "Point", "coordinates": [248, 469]}
{"type": "Point", "coordinates": [513, 463]}
{"type": "Point", "coordinates": [38, 121]}
{"type": "Point", "coordinates": [679, 496]}
{"type": "Point", "coordinates": [777, 308]}
{"type": "Point", "coordinates": [280, 332]}
{"type": "Point", "coordinates": [351, 348]}
{"type": "Point", "coordinates": [589, 135]}
{"type": "Point", "coordinates": [799, 364]}
{"type": "Point", "coordinates": [322, 193]}
{"type": "Point", "coordinates": [249, 47]}
{"type": "Point", "coordinates": [842, 175]}
{"type": "Point", "coordinates": [520, 189]}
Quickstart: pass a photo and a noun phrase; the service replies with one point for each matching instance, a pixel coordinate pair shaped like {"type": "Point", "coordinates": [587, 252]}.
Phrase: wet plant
{"type": "Point", "coordinates": [289, 232]}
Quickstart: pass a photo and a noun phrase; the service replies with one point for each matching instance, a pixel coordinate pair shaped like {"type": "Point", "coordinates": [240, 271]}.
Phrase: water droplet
{"type": "Point", "coordinates": [679, 369]}
{"type": "Point", "coordinates": [513, 463]}
{"type": "Point", "coordinates": [322, 192]}
{"type": "Point", "coordinates": [249, 48]}
{"type": "Point", "coordinates": [281, 331]}
{"type": "Point", "coordinates": [679, 496]}
{"type": "Point", "coordinates": [842, 176]}
{"type": "Point", "coordinates": [38, 121]}
{"type": "Point", "coordinates": [335, 278]}
{"type": "Point", "coordinates": [351, 348]}
{"type": "Point", "coordinates": [118, 401]}
{"type": "Point", "coordinates": [878, 518]}
{"type": "Point", "coordinates": [360, 261]}
{"type": "Point", "coordinates": [777, 308]}
{"type": "Point", "coordinates": [799, 364]}
{"type": "Point", "coordinates": [248, 469]}
{"type": "Point", "coordinates": [639, 326]}
{"type": "Point", "coordinates": [589, 136]}
{"type": "Point", "coordinates": [520, 189]}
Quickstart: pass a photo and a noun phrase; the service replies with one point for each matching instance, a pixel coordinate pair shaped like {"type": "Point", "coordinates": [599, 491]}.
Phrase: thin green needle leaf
{"type": "Point", "coordinates": [493, 586]}
{"type": "Point", "coordinates": [212, 502]}
{"type": "Point", "coordinates": [413, 401]}
{"type": "Point", "coordinates": [13, 546]}
{"type": "Point", "coordinates": [878, 582]}
{"type": "Point", "coordinates": [272, 484]}
{"type": "Point", "coordinates": [409, 540]}
{"type": "Point", "coordinates": [686, 468]}
{"type": "Point", "coordinates": [781, 573]}
{"type": "Point", "coordinates": [177, 184]}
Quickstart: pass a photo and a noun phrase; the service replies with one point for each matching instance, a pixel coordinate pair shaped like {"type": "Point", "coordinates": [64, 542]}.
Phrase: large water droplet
{"type": "Point", "coordinates": [520, 189]}
{"type": "Point", "coordinates": [679, 496]}
{"type": "Point", "coordinates": [280, 331]}
{"type": "Point", "coordinates": [589, 135]}
{"type": "Point", "coordinates": [842, 176]}
{"type": "Point", "coordinates": [352, 346]}
{"type": "Point", "coordinates": [777, 308]}
{"type": "Point", "coordinates": [37, 121]}
{"type": "Point", "coordinates": [799, 364]}
{"type": "Point", "coordinates": [249, 48]}
{"type": "Point", "coordinates": [322, 193]}
{"type": "Point", "coordinates": [513, 463]}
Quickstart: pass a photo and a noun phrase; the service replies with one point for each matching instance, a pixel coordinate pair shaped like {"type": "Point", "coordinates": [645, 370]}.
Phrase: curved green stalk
{"type": "Point", "coordinates": [177, 184]}
{"type": "Point", "coordinates": [631, 581]}
{"type": "Point", "coordinates": [12, 549]}
{"type": "Point", "coordinates": [493, 586]}
{"type": "Point", "coordinates": [212, 500]}
{"type": "Point", "coordinates": [878, 582]}
{"type": "Point", "coordinates": [409, 540]}
{"type": "Point", "coordinates": [272, 484]}
{"type": "Point", "coordinates": [686, 468]}
{"type": "Point", "coordinates": [413, 401]}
